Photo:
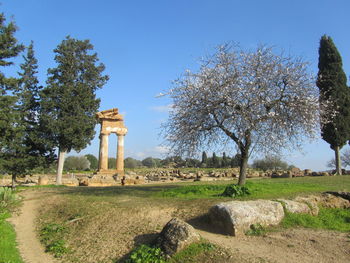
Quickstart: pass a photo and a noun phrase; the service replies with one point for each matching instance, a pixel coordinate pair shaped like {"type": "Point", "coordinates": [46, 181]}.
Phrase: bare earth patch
{"type": "Point", "coordinates": [295, 245]}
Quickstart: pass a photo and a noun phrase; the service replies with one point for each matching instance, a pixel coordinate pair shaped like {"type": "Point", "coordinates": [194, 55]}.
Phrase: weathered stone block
{"type": "Point", "coordinates": [295, 207]}
{"type": "Point", "coordinates": [235, 217]}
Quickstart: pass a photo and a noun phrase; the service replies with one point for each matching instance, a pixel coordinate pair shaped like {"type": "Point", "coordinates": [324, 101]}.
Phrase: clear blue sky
{"type": "Point", "coordinates": [145, 45]}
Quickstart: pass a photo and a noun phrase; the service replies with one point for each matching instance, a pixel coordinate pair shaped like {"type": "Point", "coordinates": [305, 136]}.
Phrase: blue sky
{"type": "Point", "coordinates": [145, 45]}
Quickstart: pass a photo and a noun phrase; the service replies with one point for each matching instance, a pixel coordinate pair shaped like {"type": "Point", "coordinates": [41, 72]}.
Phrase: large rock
{"type": "Point", "coordinates": [43, 180]}
{"type": "Point", "coordinates": [70, 181]}
{"type": "Point", "coordinates": [295, 207]}
{"type": "Point", "coordinates": [332, 201]}
{"type": "Point", "coordinates": [176, 235]}
{"type": "Point", "coordinates": [236, 217]}
{"type": "Point", "coordinates": [345, 195]}
{"type": "Point", "coordinates": [312, 201]}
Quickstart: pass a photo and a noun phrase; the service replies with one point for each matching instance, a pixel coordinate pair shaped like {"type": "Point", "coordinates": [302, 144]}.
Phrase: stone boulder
{"type": "Point", "coordinates": [307, 172]}
{"type": "Point", "coordinates": [295, 207]}
{"type": "Point", "coordinates": [43, 180]}
{"type": "Point", "coordinates": [312, 201]}
{"type": "Point", "coordinates": [332, 201]}
{"type": "Point", "coordinates": [296, 172]}
{"type": "Point", "coordinates": [175, 236]}
{"type": "Point", "coordinates": [236, 217]}
{"type": "Point", "coordinates": [345, 195]}
{"type": "Point", "coordinates": [83, 181]}
{"type": "Point", "coordinates": [70, 181]}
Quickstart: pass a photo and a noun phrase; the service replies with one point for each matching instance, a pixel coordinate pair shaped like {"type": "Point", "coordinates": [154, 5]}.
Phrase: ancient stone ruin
{"type": "Point", "coordinates": [111, 122]}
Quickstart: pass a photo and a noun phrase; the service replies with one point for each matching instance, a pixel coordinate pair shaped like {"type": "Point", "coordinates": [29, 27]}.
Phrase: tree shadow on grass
{"type": "Point", "coordinates": [139, 191]}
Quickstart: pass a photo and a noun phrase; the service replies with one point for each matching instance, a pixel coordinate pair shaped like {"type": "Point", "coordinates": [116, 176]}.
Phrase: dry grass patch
{"type": "Point", "coordinates": [105, 227]}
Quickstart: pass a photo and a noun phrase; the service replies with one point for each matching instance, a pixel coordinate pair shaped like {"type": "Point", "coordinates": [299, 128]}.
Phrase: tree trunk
{"type": "Point", "coordinates": [243, 167]}
{"type": "Point", "coordinates": [13, 185]}
{"type": "Point", "coordinates": [61, 156]}
{"type": "Point", "coordinates": [337, 161]}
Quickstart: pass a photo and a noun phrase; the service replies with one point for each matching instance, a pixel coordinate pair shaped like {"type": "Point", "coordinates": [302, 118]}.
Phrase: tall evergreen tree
{"type": "Point", "coordinates": [38, 146]}
{"type": "Point", "coordinates": [225, 160]}
{"type": "Point", "coordinates": [216, 161]}
{"type": "Point", "coordinates": [204, 158]}
{"type": "Point", "coordinates": [334, 98]}
{"type": "Point", "coordinates": [69, 101]}
{"type": "Point", "coordinates": [10, 130]}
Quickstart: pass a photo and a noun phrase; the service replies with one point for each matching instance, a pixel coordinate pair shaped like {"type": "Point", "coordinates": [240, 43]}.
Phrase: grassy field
{"type": "Point", "coordinates": [105, 224]}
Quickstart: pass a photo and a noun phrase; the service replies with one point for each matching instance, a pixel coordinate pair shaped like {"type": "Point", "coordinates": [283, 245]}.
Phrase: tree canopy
{"type": "Point", "coordinates": [334, 98]}
{"type": "Point", "coordinates": [256, 99]}
{"type": "Point", "coordinates": [69, 102]}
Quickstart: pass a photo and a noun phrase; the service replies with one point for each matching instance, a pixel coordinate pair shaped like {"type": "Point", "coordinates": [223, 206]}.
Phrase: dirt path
{"type": "Point", "coordinates": [24, 223]}
{"type": "Point", "coordinates": [290, 246]}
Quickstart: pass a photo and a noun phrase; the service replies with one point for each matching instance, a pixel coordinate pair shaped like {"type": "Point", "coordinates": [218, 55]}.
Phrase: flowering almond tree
{"type": "Point", "coordinates": [259, 100]}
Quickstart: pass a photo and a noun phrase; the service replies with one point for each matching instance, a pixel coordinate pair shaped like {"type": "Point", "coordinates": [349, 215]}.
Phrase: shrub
{"type": "Point", "coordinates": [234, 190]}
{"type": "Point", "coordinates": [8, 199]}
{"type": "Point", "coordinates": [146, 254]}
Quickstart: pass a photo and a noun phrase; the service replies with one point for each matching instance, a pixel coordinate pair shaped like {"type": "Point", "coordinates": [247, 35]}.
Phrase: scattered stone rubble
{"type": "Point", "coordinates": [158, 175]}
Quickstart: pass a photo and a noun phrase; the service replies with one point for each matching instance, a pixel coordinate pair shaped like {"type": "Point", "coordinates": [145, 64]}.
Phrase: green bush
{"type": "Point", "coordinates": [234, 190]}
{"type": "Point", "coordinates": [146, 254]}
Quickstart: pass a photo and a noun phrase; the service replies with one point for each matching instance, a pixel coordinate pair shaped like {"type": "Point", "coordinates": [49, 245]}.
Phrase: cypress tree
{"type": "Point", "coordinates": [204, 158]}
{"type": "Point", "coordinates": [10, 130]}
{"type": "Point", "coordinates": [69, 101]}
{"type": "Point", "coordinates": [216, 161]}
{"type": "Point", "coordinates": [334, 98]}
{"type": "Point", "coordinates": [225, 161]}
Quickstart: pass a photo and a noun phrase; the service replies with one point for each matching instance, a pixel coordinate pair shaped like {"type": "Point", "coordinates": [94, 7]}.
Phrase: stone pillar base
{"type": "Point", "coordinates": [110, 172]}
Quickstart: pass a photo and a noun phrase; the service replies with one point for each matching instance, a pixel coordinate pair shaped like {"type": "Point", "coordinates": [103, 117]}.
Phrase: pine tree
{"type": "Point", "coordinates": [334, 98]}
{"type": "Point", "coordinates": [10, 130]}
{"type": "Point", "coordinates": [69, 101]}
{"type": "Point", "coordinates": [38, 146]}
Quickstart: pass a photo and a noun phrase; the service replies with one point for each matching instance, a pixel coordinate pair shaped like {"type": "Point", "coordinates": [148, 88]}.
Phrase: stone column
{"type": "Point", "coordinates": [120, 153]}
{"type": "Point", "coordinates": [103, 158]}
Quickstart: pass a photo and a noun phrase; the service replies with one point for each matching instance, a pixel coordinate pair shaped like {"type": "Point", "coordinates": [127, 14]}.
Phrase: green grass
{"type": "Point", "coordinates": [193, 252]}
{"type": "Point", "coordinates": [8, 249]}
{"type": "Point", "coordinates": [328, 218]}
{"type": "Point", "coordinates": [261, 188]}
